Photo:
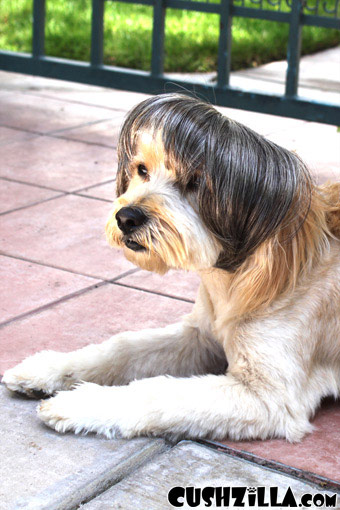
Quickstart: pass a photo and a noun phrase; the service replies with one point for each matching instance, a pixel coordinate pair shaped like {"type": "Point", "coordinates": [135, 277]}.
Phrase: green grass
{"type": "Point", "coordinates": [191, 38]}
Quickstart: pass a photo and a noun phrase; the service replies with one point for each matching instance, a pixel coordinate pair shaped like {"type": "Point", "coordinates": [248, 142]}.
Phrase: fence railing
{"type": "Point", "coordinates": [297, 13]}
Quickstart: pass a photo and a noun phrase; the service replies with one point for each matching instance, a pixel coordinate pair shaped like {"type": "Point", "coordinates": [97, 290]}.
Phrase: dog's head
{"type": "Point", "coordinates": [196, 189]}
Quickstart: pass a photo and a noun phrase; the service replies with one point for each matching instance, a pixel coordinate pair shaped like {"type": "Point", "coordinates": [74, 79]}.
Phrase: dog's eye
{"type": "Point", "coordinates": [193, 183]}
{"type": "Point", "coordinates": [142, 171]}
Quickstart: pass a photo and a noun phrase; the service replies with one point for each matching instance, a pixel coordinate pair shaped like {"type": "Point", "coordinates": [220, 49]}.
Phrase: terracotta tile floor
{"type": "Point", "coordinates": [317, 454]}
{"type": "Point", "coordinates": [56, 163]}
{"type": "Point", "coordinates": [15, 195]}
{"type": "Point", "coordinates": [62, 287]}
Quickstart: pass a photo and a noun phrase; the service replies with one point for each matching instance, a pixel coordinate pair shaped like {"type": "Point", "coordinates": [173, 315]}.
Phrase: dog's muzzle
{"type": "Point", "coordinates": [130, 219]}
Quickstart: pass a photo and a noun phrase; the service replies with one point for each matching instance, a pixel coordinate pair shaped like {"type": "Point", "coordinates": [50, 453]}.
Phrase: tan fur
{"type": "Point", "coordinates": [332, 198]}
{"type": "Point", "coordinates": [276, 320]}
{"type": "Point", "coordinates": [278, 264]}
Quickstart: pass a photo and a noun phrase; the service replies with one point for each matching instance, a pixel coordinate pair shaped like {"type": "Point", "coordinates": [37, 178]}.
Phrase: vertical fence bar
{"type": "Point", "coordinates": [97, 33]}
{"type": "Point", "coordinates": [224, 44]}
{"type": "Point", "coordinates": [38, 40]}
{"type": "Point", "coordinates": [294, 48]}
{"type": "Point", "coordinates": [158, 29]}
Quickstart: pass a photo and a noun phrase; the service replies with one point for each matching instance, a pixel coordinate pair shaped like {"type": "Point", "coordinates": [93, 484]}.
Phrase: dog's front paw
{"type": "Point", "coordinates": [87, 408]}
{"type": "Point", "coordinates": [45, 372]}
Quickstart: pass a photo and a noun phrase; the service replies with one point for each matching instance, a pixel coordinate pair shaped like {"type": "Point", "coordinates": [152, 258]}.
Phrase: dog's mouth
{"type": "Point", "coordinates": [132, 245]}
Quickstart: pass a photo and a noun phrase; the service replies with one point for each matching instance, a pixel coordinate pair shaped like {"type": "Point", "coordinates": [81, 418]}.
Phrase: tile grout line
{"type": "Point", "coordinates": [112, 147]}
{"type": "Point", "coordinates": [77, 126]}
{"type": "Point", "coordinates": [66, 298]}
{"type": "Point", "coordinates": [157, 293]}
{"type": "Point", "coordinates": [99, 483]}
{"type": "Point", "coordinates": [48, 135]}
{"type": "Point", "coordinates": [22, 130]}
{"type": "Point", "coordinates": [59, 268]}
{"type": "Point", "coordinates": [11, 141]}
{"type": "Point", "coordinates": [123, 275]}
{"type": "Point", "coordinates": [41, 186]}
{"type": "Point", "coordinates": [51, 135]}
{"type": "Point", "coordinates": [78, 194]}
{"type": "Point", "coordinates": [94, 185]}
{"type": "Point", "coordinates": [27, 206]}
{"type": "Point", "coordinates": [112, 281]}
{"type": "Point", "coordinates": [51, 304]}
{"type": "Point", "coordinates": [57, 133]}
{"type": "Point", "coordinates": [101, 282]}
{"type": "Point", "coordinates": [61, 195]}
{"type": "Point", "coordinates": [167, 447]}
{"type": "Point", "coordinates": [67, 100]}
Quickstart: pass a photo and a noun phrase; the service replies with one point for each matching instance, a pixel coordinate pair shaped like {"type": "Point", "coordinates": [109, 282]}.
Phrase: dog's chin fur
{"type": "Point", "coordinates": [146, 260]}
{"type": "Point", "coordinates": [244, 213]}
{"type": "Point", "coordinates": [164, 246]}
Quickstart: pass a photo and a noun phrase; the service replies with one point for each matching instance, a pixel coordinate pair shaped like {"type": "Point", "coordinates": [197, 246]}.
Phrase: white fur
{"type": "Point", "coordinates": [172, 381]}
{"type": "Point", "coordinates": [274, 383]}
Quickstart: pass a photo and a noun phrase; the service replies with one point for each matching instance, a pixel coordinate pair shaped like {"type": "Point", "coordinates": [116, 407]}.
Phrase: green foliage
{"type": "Point", "coordinates": [190, 44]}
{"type": "Point", "coordinates": [15, 25]}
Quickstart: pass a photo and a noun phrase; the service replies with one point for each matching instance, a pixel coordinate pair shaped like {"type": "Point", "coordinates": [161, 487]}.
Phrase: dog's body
{"type": "Point", "coordinates": [262, 345]}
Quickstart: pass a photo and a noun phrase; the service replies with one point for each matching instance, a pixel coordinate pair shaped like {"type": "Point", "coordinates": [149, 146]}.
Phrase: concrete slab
{"type": "Point", "coordinates": [43, 470]}
{"type": "Point", "coordinates": [186, 465]}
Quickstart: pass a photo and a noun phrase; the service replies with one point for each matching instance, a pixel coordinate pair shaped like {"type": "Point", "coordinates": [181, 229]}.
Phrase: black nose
{"type": "Point", "coordinates": [129, 219]}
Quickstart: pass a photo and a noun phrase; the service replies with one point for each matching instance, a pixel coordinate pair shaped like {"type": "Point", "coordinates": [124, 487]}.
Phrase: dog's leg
{"type": "Point", "coordinates": [267, 392]}
{"type": "Point", "coordinates": [179, 350]}
{"type": "Point", "coordinates": [209, 406]}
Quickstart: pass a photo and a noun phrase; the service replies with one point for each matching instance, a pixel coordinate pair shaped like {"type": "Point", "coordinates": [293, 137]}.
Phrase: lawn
{"type": "Point", "coordinates": [190, 43]}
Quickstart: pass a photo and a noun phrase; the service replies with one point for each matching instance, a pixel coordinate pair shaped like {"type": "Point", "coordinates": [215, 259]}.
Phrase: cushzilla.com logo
{"type": "Point", "coordinates": [240, 497]}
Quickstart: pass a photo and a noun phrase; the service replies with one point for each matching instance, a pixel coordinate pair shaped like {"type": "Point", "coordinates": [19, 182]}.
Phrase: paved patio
{"type": "Point", "coordinates": [63, 287]}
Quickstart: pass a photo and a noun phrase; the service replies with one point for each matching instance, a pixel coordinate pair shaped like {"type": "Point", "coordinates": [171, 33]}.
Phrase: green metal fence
{"type": "Point", "coordinates": [297, 13]}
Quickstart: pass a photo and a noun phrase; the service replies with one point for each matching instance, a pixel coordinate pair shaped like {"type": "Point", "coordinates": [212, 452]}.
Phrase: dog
{"type": "Point", "coordinates": [261, 348]}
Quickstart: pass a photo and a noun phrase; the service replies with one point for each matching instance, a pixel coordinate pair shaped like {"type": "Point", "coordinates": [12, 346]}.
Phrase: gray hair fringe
{"type": "Point", "coordinates": [247, 187]}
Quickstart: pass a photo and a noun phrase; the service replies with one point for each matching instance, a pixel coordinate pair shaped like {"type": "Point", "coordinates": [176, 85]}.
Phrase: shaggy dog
{"type": "Point", "coordinates": [198, 191]}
